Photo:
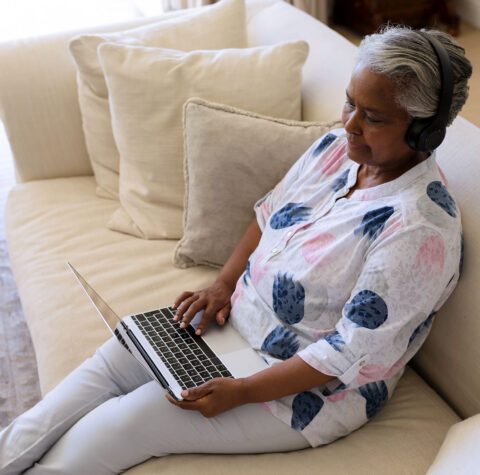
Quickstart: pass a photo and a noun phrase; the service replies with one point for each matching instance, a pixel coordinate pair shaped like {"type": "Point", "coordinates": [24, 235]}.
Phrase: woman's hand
{"type": "Point", "coordinates": [214, 300]}
{"type": "Point", "coordinates": [213, 397]}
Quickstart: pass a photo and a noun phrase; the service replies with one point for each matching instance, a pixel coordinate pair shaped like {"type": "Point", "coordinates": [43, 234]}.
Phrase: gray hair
{"type": "Point", "coordinates": [409, 61]}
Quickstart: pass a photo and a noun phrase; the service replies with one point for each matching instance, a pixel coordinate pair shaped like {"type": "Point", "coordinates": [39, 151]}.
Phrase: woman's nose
{"type": "Point", "coordinates": [351, 123]}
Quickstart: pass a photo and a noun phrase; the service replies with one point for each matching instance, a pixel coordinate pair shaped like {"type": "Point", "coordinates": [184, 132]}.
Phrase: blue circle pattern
{"type": "Point", "coordinates": [288, 299]}
{"type": "Point", "coordinates": [439, 194]}
{"type": "Point", "coordinates": [340, 181]}
{"type": "Point", "coordinates": [246, 274]}
{"type": "Point", "coordinates": [376, 395]}
{"type": "Point", "coordinates": [305, 407]}
{"type": "Point", "coordinates": [325, 142]}
{"type": "Point", "coordinates": [335, 340]}
{"type": "Point", "coordinates": [281, 342]}
{"type": "Point", "coordinates": [374, 221]}
{"type": "Point", "coordinates": [425, 324]}
{"type": "Point", "coordinates": [290, 214]}
{"type": "Point", "coordinates": [367, 309]}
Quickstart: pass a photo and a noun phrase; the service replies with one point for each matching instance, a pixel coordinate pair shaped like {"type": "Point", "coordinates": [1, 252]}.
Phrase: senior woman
{"type": "Point", "coordinates": [336, 283]}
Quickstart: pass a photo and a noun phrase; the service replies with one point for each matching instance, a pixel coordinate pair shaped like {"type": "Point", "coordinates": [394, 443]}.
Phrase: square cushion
{"type": "Point", "coordinates": [459, 452]}
{"type": "Point", "coordinates": [244, 155]}
{"type": "Point", "coordinates": [147, 90]}
{"type": "Point", "coordinates": [225, 23]}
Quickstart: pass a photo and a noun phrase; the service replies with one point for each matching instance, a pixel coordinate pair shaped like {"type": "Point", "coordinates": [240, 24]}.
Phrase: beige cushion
{"type": "Point", "coordinates": [132, 275]}
{"type": "Point", "coordinates": [459, 452]}
{"type": "Point", "coordinates": [147, 90]}
{"type": "Point", "coordinates": [232, 158]}
{"type": "Point", "coordinates": [225, 23]}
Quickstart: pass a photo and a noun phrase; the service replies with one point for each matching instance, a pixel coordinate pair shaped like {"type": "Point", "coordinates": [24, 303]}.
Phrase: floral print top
{"type": "Point", "coordinates": [352, 285]}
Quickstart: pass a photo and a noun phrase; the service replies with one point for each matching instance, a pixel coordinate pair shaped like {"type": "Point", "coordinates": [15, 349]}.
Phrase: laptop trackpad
{"type": "Point", "coordinates": [243, 363]}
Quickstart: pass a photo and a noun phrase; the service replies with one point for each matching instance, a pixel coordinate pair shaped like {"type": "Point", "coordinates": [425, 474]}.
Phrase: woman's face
{"type": "Point", "coordinates": [375, 124]}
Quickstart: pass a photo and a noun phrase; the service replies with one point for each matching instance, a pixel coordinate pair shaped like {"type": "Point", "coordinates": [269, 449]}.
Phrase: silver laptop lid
{"type": "Point", "coordinates": [108, 315]}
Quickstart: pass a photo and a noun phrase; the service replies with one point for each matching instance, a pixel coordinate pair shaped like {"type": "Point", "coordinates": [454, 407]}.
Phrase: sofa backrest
{"type": "Point", "coordinates": [329, 64]}
{"type": "Point", "coordinates": [450, 358]}
{"type": "Point", "coordinates": [39, 102]}
{"type": "Point", "coordinates": [39, 106]}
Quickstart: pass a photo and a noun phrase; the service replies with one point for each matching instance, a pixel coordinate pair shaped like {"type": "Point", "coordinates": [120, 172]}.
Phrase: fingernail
{"type": "Point", "coordinates": [182, 325]}
{"type": "Point", "coordinates": [198, 332]}
{"type": "Point", "coordinates": [184, 393]}
{"type": "Point", "coordinates": [222, 321]}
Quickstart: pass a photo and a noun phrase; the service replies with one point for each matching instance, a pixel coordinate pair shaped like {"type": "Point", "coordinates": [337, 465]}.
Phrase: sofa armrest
{"type": "Point", "coordinates": [39, 104]}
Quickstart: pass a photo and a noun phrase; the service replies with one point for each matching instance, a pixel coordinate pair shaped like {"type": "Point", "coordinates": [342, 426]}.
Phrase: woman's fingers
{"type": "Point", "coordinates": [181, 298]}
{"type": "Point", "coordinates": [207, 317]}
{"type": "Point", "coordinates": [194, 307]}
{"type": "Point", "coordinates": [184, 306]}
{"type": "Point", "coordinates": [223, 314]}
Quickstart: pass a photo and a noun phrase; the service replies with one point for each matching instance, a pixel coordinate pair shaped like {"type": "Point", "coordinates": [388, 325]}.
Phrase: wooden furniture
{"type": "Point", "coordinates": [367, 16]}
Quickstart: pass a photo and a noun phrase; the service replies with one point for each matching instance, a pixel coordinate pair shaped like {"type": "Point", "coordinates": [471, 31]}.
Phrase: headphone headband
{"type": "Point", "coordinates": [427, 134]}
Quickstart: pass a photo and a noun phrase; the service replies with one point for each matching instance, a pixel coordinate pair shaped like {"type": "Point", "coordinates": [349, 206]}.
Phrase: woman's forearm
{"type": "Point", "coordinates": [237, 262]}
{"type": "Point", "coordinates": [292, 376]}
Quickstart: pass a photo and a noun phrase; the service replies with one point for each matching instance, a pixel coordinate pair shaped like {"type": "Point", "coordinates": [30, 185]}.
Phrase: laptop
{"type": "Point", "coordinates": [178, 358]}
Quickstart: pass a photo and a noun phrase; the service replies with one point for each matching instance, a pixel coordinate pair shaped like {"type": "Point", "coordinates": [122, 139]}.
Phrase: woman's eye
{"type": "Point", "coordinates": [349, 105]}
{"type": "Point", "coordinates": [373, 120]}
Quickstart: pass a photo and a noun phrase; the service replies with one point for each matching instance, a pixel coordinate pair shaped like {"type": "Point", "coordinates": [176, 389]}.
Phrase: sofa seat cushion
{"type": "Point", "coordinates": [403, 438]}
{"type": "Point", "coordinates": [52, 221]}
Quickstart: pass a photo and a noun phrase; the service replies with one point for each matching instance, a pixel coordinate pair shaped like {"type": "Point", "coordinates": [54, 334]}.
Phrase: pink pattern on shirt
{"type": "Point", "coordinates": [431, 256]}
{"type": "Point", "coordinates": [340, 396]}
{"type": "Point", "coordinates": [333, 159]}
{"type": "Point", "coordinates": [394, 225]}
{"type": "Point", "coordinates": [237, 294]}
{"type": "Point", "coordinates": [316, 249]}
{"type": "Point", "coordinates": [370, 373]}
{"type": "Point", "coordinates": [264, 209]}
{"type": "Point", "coordinates": [257, 269]}
{"type": "Point", "coordinates": [444, 178]}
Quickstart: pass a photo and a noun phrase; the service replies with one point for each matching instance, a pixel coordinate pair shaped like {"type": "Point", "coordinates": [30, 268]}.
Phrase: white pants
{"type": "Point", "coordinates": [108, 415]}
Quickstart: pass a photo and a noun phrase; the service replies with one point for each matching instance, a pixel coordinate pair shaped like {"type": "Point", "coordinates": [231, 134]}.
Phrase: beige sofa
{"type": "Point", "coordinates": [53, 215]}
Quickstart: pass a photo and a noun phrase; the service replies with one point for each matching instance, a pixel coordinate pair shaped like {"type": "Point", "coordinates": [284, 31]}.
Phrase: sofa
{"type": "Point", "coordinates": [54, 215]}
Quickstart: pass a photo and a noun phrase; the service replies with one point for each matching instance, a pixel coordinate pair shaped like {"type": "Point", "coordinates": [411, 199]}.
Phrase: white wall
{"type": "Point", "coordinates": [469, 11]}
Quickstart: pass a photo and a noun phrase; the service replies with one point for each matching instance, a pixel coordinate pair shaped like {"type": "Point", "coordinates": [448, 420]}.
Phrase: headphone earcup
{"type": "Point", "coordinates": [423, 135]}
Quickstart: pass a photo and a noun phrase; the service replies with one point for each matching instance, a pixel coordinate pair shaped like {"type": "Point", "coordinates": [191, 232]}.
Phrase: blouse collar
{"type": "Point", "coordinates": [390, 187]}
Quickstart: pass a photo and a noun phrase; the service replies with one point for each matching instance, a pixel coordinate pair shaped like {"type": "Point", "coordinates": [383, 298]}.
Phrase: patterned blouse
{"type": "Point", "coordinates": [350, 285]}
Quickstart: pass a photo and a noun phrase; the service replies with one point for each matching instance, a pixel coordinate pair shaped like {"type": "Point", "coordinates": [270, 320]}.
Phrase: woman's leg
{"type": "Point", "coordinates": [127, 430]}
{"type": "Point", "coordinates": [112, 371]}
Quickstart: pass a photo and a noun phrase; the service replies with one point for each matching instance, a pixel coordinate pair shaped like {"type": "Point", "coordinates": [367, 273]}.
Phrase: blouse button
{"type": "Point", "coordinates": [362, 362]}
{"type": "Point", "coordinates": [274, 250]}
{"type": "Point", "coordinates": [289, 234]}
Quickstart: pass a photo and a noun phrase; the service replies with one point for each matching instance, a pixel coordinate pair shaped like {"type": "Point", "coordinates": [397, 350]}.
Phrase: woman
{"type": "Point", "coordinates": [336, 283]}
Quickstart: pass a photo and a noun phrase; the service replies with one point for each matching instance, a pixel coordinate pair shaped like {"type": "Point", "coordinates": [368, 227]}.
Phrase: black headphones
{"type": "Point", "coordinates": [427, 134]}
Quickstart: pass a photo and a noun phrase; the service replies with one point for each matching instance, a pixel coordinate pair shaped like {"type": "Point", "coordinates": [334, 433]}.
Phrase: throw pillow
{"type": "Point", "coordinates": [225, 24]}
{"type": "Point", "coordinates": [148, 88]}
{"type": "Point", "coordinates": [459, 451]}
{"type": "Point", "coordinates": [232, 159]}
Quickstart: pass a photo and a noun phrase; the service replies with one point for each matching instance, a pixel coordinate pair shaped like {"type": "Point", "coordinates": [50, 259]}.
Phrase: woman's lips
{"type": "Point", "coordinates": [355, 145]}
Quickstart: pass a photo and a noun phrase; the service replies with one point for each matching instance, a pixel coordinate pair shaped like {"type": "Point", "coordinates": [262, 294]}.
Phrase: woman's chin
{"type": "Point", "coordinates": [357, 153]}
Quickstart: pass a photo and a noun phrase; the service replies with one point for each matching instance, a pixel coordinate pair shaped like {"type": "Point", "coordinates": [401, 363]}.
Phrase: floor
{"type": "Point", "coordinates": [23, 18]}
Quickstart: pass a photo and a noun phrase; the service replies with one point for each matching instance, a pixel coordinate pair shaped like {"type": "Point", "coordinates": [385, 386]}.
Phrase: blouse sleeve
{"type": "Point", "coordinates": [390, 309]}
{"type": "Point", "coordinates": [264, 206]}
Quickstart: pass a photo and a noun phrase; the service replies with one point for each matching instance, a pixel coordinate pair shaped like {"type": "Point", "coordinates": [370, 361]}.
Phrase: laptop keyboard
{"type": "Point", "coordinates": [190, 360]}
